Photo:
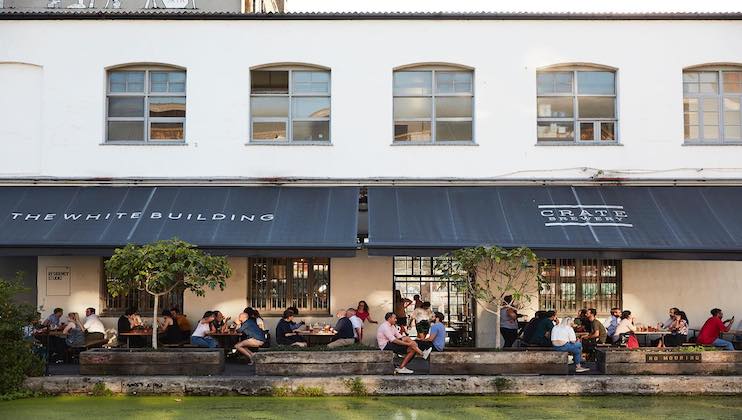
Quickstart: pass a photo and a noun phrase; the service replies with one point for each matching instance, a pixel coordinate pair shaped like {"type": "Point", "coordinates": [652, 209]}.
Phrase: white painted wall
{"type": "Point", "coordinates": [21, 96]}
{"type": "Point", "coordinates": [650, 56]}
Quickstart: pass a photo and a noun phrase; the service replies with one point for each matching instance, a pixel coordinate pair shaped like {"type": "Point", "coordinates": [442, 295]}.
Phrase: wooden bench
{"type": "Point", "coordinates": [324, 363]}
{"type": "Point", "coordinates": [495, 362]}
{"type": "Point", "coordinates": [73, 353]}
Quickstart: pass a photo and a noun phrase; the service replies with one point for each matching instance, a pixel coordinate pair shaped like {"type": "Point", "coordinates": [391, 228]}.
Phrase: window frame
{"type": "Point", "coordinates": [289, 297]}
{"type": "Point", "coordinates": [433, 114]}
{"type": "Point", "coordinates": [576, 119]}
{"type": "Point", "coordinates": [146, 95]}
{"type": "Point", "coordinates": [719, 99]}
{"type": "Point", "coordinates": [289, 119]}
{"type": "Point", "coordinates": [565, 305]}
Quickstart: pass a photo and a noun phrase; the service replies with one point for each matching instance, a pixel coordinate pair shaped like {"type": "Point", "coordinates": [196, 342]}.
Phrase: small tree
{"type": "Point", "coordinates": [162, 267]}
{"type": "Point", "coordinates": [496, 277]}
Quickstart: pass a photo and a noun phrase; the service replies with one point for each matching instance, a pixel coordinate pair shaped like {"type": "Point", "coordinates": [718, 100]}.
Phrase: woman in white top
{"type": "Point", "coordinates": [199, 337]}
{"type": "Point", "coordinates": [626, 325]}
{"type": "Point", "coordinates": [422, 317]}
{"type": "Point", "coordinates": [563, 339]}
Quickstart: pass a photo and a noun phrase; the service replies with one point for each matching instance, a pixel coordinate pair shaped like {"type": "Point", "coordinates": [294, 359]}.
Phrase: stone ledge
{"type": "Point", "coordinates": [397, 385]}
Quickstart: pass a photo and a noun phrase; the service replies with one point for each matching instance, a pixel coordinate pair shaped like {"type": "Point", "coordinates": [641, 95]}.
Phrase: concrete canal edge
{"type": "Point", "coordinates": [388, 385]}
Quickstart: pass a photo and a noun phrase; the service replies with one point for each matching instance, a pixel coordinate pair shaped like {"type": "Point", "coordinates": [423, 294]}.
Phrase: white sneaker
{"type": "Point", "coordinates": [571, 359]}
{"type": "Point", "coordinates": [426, 353]}
{"type": "Point", "coordinates": [581, 369]}
{"type": "Point", "coordinates": [402, 370]}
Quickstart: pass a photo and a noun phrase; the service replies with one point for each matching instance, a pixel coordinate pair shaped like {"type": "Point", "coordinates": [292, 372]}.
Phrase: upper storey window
{"type": "Point", "coordinates": [576, 105]}
{"type": "Point", "coordinates": [711, 105]}
{"type": "Point", "coordinates": [290, 105]}
{"type": "Point", "coordinates": [433, 105]}
{"type": "Point", "coordinates": [146, 104]}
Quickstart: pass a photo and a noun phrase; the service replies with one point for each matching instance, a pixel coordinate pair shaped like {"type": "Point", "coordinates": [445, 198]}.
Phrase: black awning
{"type": "Point", "coordinates": [266, 221]}
{"type": "Point", "coordinates": [615, 222]}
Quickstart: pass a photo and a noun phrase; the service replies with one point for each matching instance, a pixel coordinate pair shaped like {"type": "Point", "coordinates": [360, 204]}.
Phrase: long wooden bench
{"type": "Point", "coordinates": [323, 363]}
{"type": "Point", "coordinates": [497, 362]}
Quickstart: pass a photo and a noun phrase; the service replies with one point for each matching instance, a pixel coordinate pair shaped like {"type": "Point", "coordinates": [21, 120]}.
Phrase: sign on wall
{"type": "Point", "coordinates": [58, 281]}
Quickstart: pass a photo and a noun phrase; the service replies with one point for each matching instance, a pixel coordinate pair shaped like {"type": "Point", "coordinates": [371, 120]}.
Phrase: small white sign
{"type": "Point", "coordinates": [58, 281]}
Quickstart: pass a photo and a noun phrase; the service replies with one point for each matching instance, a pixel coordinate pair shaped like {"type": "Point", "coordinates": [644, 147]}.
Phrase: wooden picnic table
{"type": "Point", "coordinates": [646, 334]}
{"type": "Point", "coordinates": [317, 337]}
{"type": "Point", "coordinates": [226, 340]}
{"type": "Point", "coordinates": [139, 332]}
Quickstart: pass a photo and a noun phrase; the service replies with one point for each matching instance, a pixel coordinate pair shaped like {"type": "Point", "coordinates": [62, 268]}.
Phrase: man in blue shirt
{"type": "Point", "coordinates": [436, 338]}
{"type": "Point", "coordinates": [54, 320]}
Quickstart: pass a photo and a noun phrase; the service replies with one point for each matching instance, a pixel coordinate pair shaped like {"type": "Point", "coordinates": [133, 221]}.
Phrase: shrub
{"type": "Point", "coordinates": [100, 390]}
{"type": "Point", "coordinates": [356, 387]}
{"type": "Point", "coordinates": [16, 358]}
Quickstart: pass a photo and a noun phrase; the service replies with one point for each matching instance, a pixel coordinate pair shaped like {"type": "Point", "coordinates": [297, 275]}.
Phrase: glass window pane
{"type": "Point", "coordinates": [710, 104]}
{"type": "Point", "coordinates": [554, 82]}
{"type": "Point", "coordinates": [412, 131]}
{"type": "Point", "coordinates": [690, 104]}
{"type": "Point", "coordinates": [453, 130]}
{"type": "Point", "coordinates": [167, 107]}
{"type": "Point", "coordinates": [126, 130]}
{"type": "Point", "coordinates": [166, 131]}
{"type": "Point", "coordinates": [124, 106]}
{"type": "Point", "coordinates": [691, 77]}
{"type": "Point", "coordinates": [126, 81]}
{"type": "Point", "coordinates": [709, 82]}
{"type": "Point", "coordinates": [555, 131]}
{"type": "Point", "coordinates": [452, 107]}
{"type": "Point", "coordinates": [556, 107]}
{"type": "Point", "coordinates": [596, 82]}
{"type": "Point", "coordinates": [607, 131]}
{"type": "Point", "coordinates": [269, 81]}
{"type": "Point", "coordinates": [587, 131]}
{"type": "Point", "coordinates": [311, 82]}
{"type": "Point", "coordinates": [711, 132]}
{"type": "Point", "coordinates": [167, 81]}
{"type": "Point", "coordinates": [732, 81]}
{"type": "Point", "coordinates": [691, 132]}
{"type": "Point", "coordinates": [269, 106]}
{"type": "Point", "coordinates": [412, 108]}
{"type": "Point", "coordinates": [453, 82]}
{"type": "Point", "coordinates": [311, 107]}
{"type": "Point", "coordinates": [269, 130]}
{"type": "Point", "coordinates": [413, 83]}
{"type": "Point", "coordinates": [311, 130]}
{"type": "Point", "coordinates": [732, 132]}
{"type": "Point", "coordinates": [596, 107]}
{"type": "Point", "coordinates": [690, 118]}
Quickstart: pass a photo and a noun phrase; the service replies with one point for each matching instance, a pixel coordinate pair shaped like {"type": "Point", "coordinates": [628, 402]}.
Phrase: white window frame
{"type": "Point", "coordinates": [719, 96]}
{"type": "Point", "coordinates": [576, 120]}
{"type": "Point", "coordinates": [433, 115]}
{"type": "Point", "coordinates": [147, 120]}
{"type": "Point", "coordinates": [288, 121]}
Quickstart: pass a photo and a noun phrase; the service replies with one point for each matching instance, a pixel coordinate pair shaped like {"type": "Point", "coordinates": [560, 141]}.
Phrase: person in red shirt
{"type": "Point", "coordinates": [710, 331]}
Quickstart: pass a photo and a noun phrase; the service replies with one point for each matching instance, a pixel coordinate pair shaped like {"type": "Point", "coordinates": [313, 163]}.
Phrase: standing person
{"type": "Point", "coordinates": [168, 329]}
{"type": "Point", "coordinates": [709, 334]}
{"type": "Point", "coordinates": [400, 305]}
{"type": "Point", "coordinates": [199, 337]}
{"type": "Point", "coordinates": [389, 339]}
{"type": "Point", "coordinates": [509, 322]}
{"type": "Point", "coordinates": [343, 331]}
{"type": "Point", "coordinates": [94, 328]}
{"type": "Point", "coordinates": [357, 324]}
{"type": "Point", "coordinates": [436, 338]}
{"type": "Point", "coordinates": [254, 336]}
{"type": "Point", "coordinates": [679, 330]}
{"type": "Point", "coordinates": [182, 321]}
{"type": "Point", "coordinates": [54, 320]}
{"type": "Point", "coordinates": [624, 328]}
{"type": "Point", "coordinates": [418, 302]}
{"type": "Point", "coordinates": [563, 339]}
{"type": "Point", "coordinates": [363, 313]}
{"type": "Point", "coordinates": [422, 316]}
{"type": "Point", "coordinates": [285, 335]}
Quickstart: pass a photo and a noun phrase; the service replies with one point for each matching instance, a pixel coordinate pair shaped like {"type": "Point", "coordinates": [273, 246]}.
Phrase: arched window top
{"type": "Point", "coordinates": [715, 67]}
{"type": "Point", "coordinates": [285, 66]}
{"type": "Point", "coordinates": [578, 67]}
{"type": "Point", "coordinates": [441, 66]}
{"type": "Point", "coordinates": [144, 66]}
{"type": "Point", "coordinates": [21, 63]}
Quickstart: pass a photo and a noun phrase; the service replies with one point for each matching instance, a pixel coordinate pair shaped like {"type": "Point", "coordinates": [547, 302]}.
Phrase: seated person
{"type": "Point", "coordinates": [597, 333]}
{"type": "Point", "coordinates": [678, 329]}
{"type": "Point", "coordinates": [624, 328]}
{"type": "Point", "coordinates": [126, 323]}
{"type": "Point", "coordinates": [54, 320]}
{"type": "Point", "coordinates": [436, 338]}
{"type": "Point", "coordinates": [219, 324]}
{"type": "Point", "coordinates": [389, 339]}
{"type": "Point", "coordinates": [183, 323]}
{"type": "Point", "coordinates": [612, 323]}
{"type": "Point", "coordinates": [75, 337]}
{"type": "Point", "coordinates": [199, 337]}
{"type": "Point", "coordinates": [343, 331]}
{"type": "Point", "coordinates": [709, 334]}
{"type": "Point", "coordinates": [357, 324]}
{"type": "Point", "coordinates": [530, 327]}
{"type": "Point", "coordinates": [542, 329]}
{"type": "Point", "coordinates": [285, 334]}
{"type": "Point", "coordinates": [94, 329]}
{"type": "Point", "coordinates": [254, 336]}
{"type": "Point", "coordinates": [563, 339]}
{"type": "Point", "coordinates": [168, 330]}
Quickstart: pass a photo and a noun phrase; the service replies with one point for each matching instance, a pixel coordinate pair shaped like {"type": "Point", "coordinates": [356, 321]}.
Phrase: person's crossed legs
{"type": "Point", "coordinates": [727, 345]}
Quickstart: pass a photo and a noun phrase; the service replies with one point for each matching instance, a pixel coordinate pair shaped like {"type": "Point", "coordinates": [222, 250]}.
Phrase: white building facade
{"type": "Point", "coordinates": [199, 100]}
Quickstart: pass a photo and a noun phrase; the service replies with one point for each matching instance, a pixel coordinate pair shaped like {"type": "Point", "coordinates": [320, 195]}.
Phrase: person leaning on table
{"type": "Point", "coordinates": [286, 334]}
{"type": "Point", "coordinates": [389, 339]}
{"type": "Point", "coordinates": [199, 337]}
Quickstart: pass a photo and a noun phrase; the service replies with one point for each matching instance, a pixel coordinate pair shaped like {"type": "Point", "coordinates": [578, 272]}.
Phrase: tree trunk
{"type": "Point", "coordinates": [498, 335]}
{"type": "Point", "coordinates": [154, 323]}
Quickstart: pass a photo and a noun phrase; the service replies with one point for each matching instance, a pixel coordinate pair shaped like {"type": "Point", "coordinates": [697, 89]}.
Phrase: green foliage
{"type": "Point", "coordinates": [23, 393]}
{"type": "Point", "coordinates": [356, 387]}
{"type": "Point", "coordinates": [309, 391]}
{"type": "Point", "coordinates": [352, 347]}
{"type": "Point", "coordinates": [16, 358]}
{"type": "Point", "coordinates": [100, 390]}
{"type": "Point", "coordinates": [502, 384]}
{"type": "Point", "coordinates": [695, 349]}
{"type": "Point", "coordinates": [281, 391]}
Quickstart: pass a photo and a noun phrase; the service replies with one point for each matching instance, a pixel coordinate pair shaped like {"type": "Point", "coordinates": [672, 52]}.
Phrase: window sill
{"type": "Point", "coordinates": [142, 143]}
{"type": "Point", "coordinates": [289, 143]}
{"type": "Point", "coordinates": [571, 143]}
{"type": "Point", "coordinates": [438, 143]}
{"type": "Point", "coordinates": [698, 143]}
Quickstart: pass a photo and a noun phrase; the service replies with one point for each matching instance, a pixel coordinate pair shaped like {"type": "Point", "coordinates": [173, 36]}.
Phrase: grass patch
{"type": "Point", "coordinates": [300, 391]}
{"type": "Point", "coordinates": [356, 387]}
{"type": "Point", "coordinates": [100, 390]}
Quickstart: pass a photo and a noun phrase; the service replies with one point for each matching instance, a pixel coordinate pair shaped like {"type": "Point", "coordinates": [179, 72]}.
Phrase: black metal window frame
{"type": "Point", "coordinates": [571, 284]}
{"type": "Point", "coordinates": [135, 298]}
{"type": "Point", "coordinates": [283, 273]}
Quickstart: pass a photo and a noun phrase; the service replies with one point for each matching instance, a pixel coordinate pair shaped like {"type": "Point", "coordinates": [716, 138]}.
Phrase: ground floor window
{"type": "Point", "coordinates": [418, 276]}
{"type": "Point", "coordinates": [137, 299]}
{"type": "Point", "coordinates": [275, 284]}
{"type": "Point", "coordinates": [573, 284]}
